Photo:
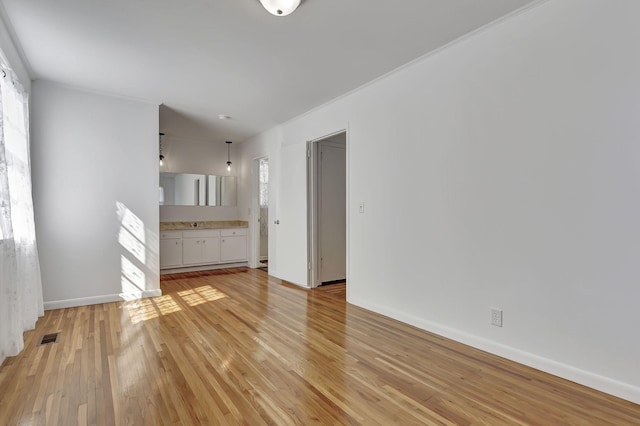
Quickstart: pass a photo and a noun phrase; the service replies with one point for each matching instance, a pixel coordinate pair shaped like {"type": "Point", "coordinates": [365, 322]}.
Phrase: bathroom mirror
{"type": "Point", "coordinates": [221, 190]}
{"type": "Point", "coordinates": [188, 189]}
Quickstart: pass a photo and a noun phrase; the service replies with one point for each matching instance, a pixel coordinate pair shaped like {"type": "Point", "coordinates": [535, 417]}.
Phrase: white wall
{"type": "Point", "coordinates": [518, 159]}
{"type": "Point", "coordinates": [197, 156]}
{"type": "Point", "coordinates": [95, 180]}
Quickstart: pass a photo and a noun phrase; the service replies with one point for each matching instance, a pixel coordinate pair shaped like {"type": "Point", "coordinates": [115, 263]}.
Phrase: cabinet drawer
{"type": "Point", "coordinates": [170, 235]}
{"type": "Point", "coordinates": [204, 233]}
{"type": "Point", "coordinates": [233, 232]}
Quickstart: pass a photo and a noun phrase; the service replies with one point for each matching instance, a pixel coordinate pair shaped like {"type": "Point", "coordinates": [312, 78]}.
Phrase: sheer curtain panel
{"type": "Point", "coordinates": [20, 282]}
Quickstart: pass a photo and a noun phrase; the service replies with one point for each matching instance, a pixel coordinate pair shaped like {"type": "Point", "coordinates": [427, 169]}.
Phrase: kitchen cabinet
{"type": "Point", "coordinates": [170, 249]}
{"type": "Point", "coordinates": [233, 245]}
{"type": "Point", "coordinates": [202, 247]}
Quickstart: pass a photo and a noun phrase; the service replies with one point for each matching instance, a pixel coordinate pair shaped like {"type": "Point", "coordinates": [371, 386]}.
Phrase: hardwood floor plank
{"type": "Point", "coordinates": [236, 346]}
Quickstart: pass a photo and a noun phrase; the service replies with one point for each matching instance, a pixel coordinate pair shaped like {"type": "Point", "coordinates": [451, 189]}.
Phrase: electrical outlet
{"type": "Point", "coordinates": [361, 206]}
{"type": "Point", "coordinates": [496, 317]}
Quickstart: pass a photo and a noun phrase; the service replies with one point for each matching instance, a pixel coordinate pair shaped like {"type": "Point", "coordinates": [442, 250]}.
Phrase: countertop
{"type": "Point", "coordinates": [214, 224]}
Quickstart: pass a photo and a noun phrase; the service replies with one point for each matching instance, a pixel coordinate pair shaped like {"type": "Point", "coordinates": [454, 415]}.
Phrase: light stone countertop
{"type": "Point", "coordinates": [215, 224]}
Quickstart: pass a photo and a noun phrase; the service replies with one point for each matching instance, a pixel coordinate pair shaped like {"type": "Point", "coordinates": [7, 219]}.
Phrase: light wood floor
{"type": "Point", "coordinates": [235, 347]}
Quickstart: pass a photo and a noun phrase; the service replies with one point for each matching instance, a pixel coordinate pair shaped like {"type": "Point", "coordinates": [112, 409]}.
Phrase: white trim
{"type": "Point", "coordinates": [348, 223]}
{"type": "Point", "coordinates": [604, 384]}
{"type": "Point", "coordinates": [254, 226]}
{"type": "Point", "coordinates": [205, 268]}
{"type": "Point", "coordinates": [311, 215]}
{"type": "Point", "coordinates": [94, 300]}
{"type": "Point", "coordinates": [312, 207]}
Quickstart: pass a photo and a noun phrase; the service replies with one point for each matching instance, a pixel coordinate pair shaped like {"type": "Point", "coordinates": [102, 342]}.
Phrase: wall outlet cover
{"type": "Point", "coordinates": [496, 317]}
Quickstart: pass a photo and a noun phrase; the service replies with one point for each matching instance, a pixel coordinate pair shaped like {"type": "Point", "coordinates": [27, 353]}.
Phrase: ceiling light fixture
{"type": "Point", "coordinates": [161, 156]}
{"type": "Point", "coordinates": [280, 7]}
{"type": "Point", "coordinates": [228, 155]}
{"type": "Point", "coordinates": [224, 117]}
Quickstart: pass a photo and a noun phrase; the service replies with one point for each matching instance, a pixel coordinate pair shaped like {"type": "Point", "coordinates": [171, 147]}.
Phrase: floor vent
{"type": "Point", "coordinates": [49, 338]}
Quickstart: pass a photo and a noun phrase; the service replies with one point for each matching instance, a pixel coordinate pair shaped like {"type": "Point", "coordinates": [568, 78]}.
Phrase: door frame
{"type": "Point", "coordinates": [312, 207]}
{"type": "Point", "coordinates": [255, 209]}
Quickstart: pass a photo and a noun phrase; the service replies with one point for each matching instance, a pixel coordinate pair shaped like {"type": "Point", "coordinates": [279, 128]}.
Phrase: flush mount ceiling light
{"type": "Point", "coordinates": [224, 117]}
{"type": "Point", "coordinates": [280, 7]}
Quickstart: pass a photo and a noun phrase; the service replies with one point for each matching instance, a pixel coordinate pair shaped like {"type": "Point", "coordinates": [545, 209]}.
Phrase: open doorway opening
{"type": "Point", "coordinates": [328, 210]}
{"type": "Point", "coordinates": [261, 249]}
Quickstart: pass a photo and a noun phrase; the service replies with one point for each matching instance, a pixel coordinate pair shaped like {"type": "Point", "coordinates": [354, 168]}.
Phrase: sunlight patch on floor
{"type": "Point", "coordinates": [197, 296]}
{"type": "Point", "coordinates": [146, 309]}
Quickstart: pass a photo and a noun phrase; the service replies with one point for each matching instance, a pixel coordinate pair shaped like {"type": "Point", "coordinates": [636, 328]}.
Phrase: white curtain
{"type": "Point", "coordinates": [20, 283]}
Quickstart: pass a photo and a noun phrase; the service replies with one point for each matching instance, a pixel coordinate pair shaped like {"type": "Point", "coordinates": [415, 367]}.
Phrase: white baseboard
{"type": "Point", "coordinates": [604, 384]}
{"type": "Point", "coordinates": [203, 268]}
{"type": "Point", "coordinates": [94, 300]}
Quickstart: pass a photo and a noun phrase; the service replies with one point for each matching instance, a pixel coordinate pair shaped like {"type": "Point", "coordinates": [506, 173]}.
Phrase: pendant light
{"type": "Point", "coordinates": [161, 156]}
{"type": "Point", "coordinates": [280, 7]}
{"type": "Point", "coordinates": [228, 155]}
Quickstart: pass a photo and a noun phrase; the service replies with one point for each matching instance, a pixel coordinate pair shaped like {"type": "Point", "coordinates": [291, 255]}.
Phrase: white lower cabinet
{"type": "Point", "coordinates": [200, 250]}
{"type": "Point", "coordinates": [191, 253]}
{"type": "Point", "coordinates": [170, 249]}
{"type": "Point", "coordinates": [211, 250]}
{"type": "Point", "coordinates": [202, 247]}
{"type": "Point", "coordinates": [233, 245]}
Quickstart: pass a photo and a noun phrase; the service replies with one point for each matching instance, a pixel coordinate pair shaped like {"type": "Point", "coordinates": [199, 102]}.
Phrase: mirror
{"type": "Point", "coordinates": [186, 189]}
{"type": "Point", "coordinates": [221, 190]}
{"type": "Point", "coordinates": [182, 189]}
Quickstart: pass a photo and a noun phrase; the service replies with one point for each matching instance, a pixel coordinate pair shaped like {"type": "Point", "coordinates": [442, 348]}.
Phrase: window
{"type": "Point", "coordinates": [264, 182]}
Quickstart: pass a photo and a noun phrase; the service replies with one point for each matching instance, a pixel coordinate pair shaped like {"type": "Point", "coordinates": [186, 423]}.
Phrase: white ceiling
{"type": "Point", "coordinates": [201, 58]}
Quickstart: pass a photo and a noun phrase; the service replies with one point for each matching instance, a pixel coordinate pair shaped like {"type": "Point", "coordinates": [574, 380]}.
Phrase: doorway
{"type": "Point", "coordinates": [261, 249]}
{"type": "Point", "coordinates": [328, 210]}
